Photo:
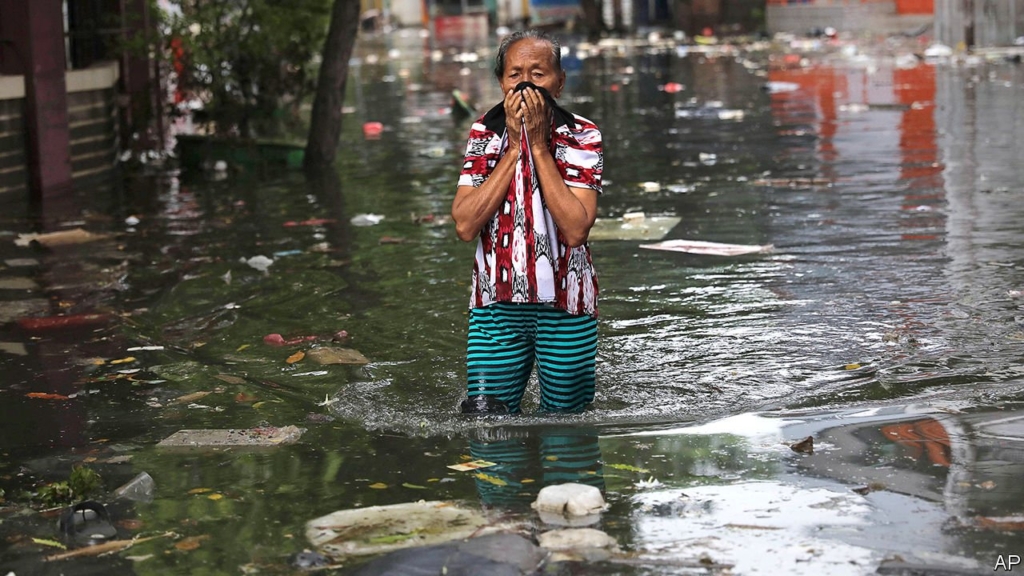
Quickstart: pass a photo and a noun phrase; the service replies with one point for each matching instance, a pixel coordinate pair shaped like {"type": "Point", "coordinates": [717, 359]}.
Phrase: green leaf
{"type": "Point", "coordinates": [628, 468]}
{"type": "Point", "coordinates": [53, 543]}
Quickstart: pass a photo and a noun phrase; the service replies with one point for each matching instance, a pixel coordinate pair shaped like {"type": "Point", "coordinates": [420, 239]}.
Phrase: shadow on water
{"type": "Point", "coordinates": [885, 324]}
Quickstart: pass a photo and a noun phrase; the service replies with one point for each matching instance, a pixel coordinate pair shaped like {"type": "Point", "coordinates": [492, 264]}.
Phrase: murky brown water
{"type": "Point", "coordinates": [884, 323]}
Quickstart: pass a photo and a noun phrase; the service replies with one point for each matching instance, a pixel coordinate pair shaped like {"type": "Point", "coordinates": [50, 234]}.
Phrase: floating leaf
{"type": "Point", "coordinates": [215, 496]}
{"type": "Point", "coordinates": [53, 543]}
{"type": "Point", "coordinates": [47, 396]}
{"type": "Point", "coordinates": [296, 357]}
{"type": "Point", "coordinates": [242, 347]}
{"type": "Point", "coordinates": [551, 458]}
{"type": "Point", "coordinates": [628, 468]}
{"type": "Point", "coordinates": [433, 479]}
{"type": "Point", "coordinates": [378, 486]}
{"type": "Point", "coordinates": [123, 360]}
{"type": "Point", "coordinates": [527, 481]}
{"type": "Point", "coordinates": [200, 490]}
{"type": "Point", "coordinates": [474, 465]}
{"type": "Point", "coordinates": [243, 397]}
{"type": "Point", "coordinates": [492, 479]}
{"type": "Point", "coordinates": [230, 379]}
{"type": "Point", "coordinates": [258, 404]}
{"type": "Point", "coordinates": [413, 486]}
{"type": "Point", "coordinates": [190, 543]}
{"type": "Point", "coordinates": [189, 398]}
{"type": "Point", "coordinates": [852, 366]}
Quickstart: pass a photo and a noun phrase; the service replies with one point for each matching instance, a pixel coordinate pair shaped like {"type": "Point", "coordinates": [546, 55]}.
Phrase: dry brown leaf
{"type": "Point", "coordinates": [189, 398]}
{"type": "Point", "coordinates": [190, 543]}
{"type": "Point", "coordinates": [296, 357]}
{"type": "Point", "coordinates": [230, 379]}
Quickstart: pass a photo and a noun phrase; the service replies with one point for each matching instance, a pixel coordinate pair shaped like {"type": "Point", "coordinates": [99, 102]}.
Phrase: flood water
{"type": "Point", "coordinates": [886, 323]}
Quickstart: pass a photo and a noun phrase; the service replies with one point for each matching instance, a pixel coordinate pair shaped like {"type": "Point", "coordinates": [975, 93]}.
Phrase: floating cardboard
{"type": "Point", "coordinates": [265, 436]}
{"type": "Point", "coordinates": [709, 248]}
{"type": "Point", "coordinates": [633, 228]}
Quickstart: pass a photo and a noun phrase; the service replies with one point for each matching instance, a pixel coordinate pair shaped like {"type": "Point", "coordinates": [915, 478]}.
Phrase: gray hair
{"type": "Point", "coordinates": [534, 34]}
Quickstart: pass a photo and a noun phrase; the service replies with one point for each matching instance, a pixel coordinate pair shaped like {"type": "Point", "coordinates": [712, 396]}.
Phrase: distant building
{"type": "Point", "coordinates": [882, 16]}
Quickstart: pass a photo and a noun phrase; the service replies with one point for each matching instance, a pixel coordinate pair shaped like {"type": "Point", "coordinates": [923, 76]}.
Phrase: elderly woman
{"type": "Point", "coordinates": [528, 196]}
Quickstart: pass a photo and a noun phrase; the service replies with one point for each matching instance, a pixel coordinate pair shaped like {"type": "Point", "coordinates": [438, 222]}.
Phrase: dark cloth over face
{"type": "Point", "coordinates": [494, 120]}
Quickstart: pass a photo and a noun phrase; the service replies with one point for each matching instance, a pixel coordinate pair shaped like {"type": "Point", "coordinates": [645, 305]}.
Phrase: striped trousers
{"type": "Point", "coordinates": [506, 339]}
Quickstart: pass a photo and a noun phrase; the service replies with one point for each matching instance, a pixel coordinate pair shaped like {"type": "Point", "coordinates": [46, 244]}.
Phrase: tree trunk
{"type": "Point", "coordinates": [325, 122]}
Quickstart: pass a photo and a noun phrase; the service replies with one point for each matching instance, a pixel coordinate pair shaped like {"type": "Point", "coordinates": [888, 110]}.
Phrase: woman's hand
{"type": "Point", "coordinates": [513, 118]}
{"type": "Point", "coordinates": [538, 118]}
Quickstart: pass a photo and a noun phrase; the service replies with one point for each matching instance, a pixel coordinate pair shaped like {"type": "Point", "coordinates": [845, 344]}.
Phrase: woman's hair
{"type": "Point", "coordinates": [508, 41]}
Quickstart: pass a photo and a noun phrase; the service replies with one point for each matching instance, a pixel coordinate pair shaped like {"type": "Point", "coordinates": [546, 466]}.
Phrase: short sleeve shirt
{"type": "Point", "coordinates": [521, 255]}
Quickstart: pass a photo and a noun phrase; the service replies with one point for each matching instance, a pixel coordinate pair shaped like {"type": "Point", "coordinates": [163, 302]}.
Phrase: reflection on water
{"type": "Point", "coordinates": [888, 193]}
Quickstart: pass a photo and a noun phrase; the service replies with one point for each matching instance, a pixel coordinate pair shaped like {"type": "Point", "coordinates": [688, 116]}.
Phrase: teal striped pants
{"type": "Point", "coordinates": [506, 339]}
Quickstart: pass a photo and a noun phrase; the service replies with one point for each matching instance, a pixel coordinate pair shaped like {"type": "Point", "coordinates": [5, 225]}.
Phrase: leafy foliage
{"type": "Point", "coordinates": [250, 62]}
{"type": "Point", "coordinates": [82, 482]}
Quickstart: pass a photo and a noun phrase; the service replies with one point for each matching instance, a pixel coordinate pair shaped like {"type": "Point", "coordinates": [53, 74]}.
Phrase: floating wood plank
{"type": "Point", "coordinates": [709, 248]}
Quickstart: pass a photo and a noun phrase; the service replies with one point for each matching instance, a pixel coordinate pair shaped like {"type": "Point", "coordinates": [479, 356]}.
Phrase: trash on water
{"type": "Point", "coordinates": [709, 248]}
{"type": "Point", "coordinates": [60, 238]}
{"type": "Point", "coordinates": [139, 489]}
{"type": "Point", "coordinates": [780, 87]}
{"type": "Point", "coordinates": [260, 263]}
{"type": "Point", "coordinates": [671, 87]}
{"type": "Point", "coordinates": [278, 340]}
{"type": "Point", "coordinates": [381, 529]}
{"type": "Point", "coordinates": [633, 226]}
{"type": "Point", "coordinates": [328, 355]}
{"type": "Point", "coordinates": [472, 465]}
{"type": "Point", "coordinates": [569, 499]}
{"type": "Point", "coordinates": [372, 130]}
{"type": "Point", "coordinates": [938, 51]}
{"type": "Point", "coordinates": [650, 186]}
{"type": "Point", "coordinates": [366, 219]}
{"type": "Point", "coordinates": [263, 436]}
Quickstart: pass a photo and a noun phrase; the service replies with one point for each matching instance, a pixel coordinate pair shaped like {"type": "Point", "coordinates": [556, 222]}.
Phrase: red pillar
{"type": "Point", "coordinates": [36, 32]}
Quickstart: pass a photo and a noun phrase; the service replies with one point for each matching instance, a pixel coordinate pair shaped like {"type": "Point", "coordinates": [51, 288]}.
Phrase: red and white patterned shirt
{"type": "Point", "coordinates": [521, 255]}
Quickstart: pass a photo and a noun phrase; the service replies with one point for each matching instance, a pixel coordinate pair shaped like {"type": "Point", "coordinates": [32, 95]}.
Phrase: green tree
{"type": "Point", "coordinates": [250, 62]}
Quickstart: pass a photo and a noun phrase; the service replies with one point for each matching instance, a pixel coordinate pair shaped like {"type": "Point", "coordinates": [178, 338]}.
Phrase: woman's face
{"type": "Point", "coordinates": [531, 60]}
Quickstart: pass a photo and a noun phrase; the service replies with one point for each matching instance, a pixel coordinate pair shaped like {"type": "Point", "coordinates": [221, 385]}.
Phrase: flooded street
{"type": "Point", "coordinates": [885, 323]}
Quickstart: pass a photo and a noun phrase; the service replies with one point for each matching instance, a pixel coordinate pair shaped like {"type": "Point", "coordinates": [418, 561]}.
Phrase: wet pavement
{"type": "Point", "coordinates": [885, 324]}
